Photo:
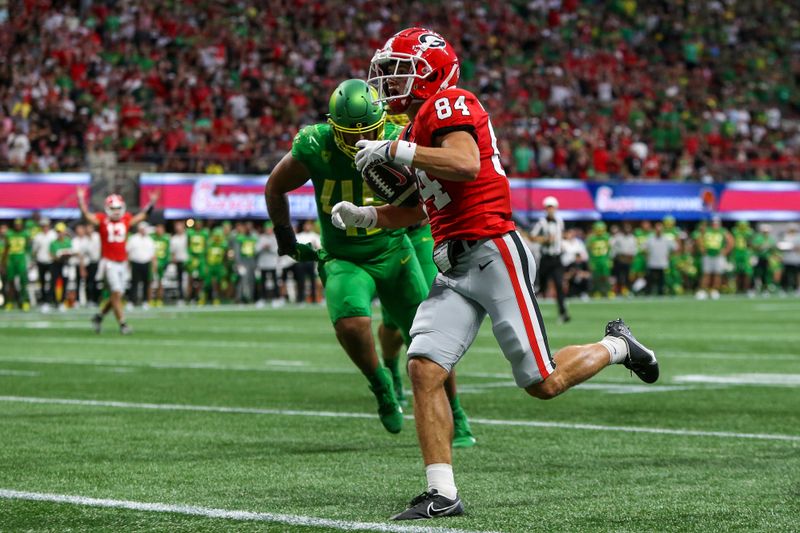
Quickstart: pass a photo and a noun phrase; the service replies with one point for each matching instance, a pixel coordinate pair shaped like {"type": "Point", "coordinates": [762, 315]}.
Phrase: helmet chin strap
{"type": "Point", "coordinates": [446, 82]}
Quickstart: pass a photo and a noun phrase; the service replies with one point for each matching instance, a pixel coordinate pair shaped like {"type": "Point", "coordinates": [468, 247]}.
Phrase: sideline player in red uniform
{"type": "Point", "coordinates": [485, 268]}
{"type": "Point", "coordinates": [113, 226]}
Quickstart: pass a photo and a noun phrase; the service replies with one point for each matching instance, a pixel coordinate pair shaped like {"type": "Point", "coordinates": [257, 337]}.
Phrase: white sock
{"type": "Point", "coordinates": [617, 348]}
{"type": "Point", "coordinates": [440, 477]}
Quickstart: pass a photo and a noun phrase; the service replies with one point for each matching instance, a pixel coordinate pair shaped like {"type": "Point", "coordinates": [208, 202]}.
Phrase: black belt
{"type": "Point", "coordinates": [461, 247]}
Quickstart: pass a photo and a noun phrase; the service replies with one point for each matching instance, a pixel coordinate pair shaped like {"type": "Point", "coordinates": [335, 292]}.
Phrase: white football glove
{"type": "Point", "coordinates": [371, 153]}
{"type": "Point", "coordinates": [348, 215]}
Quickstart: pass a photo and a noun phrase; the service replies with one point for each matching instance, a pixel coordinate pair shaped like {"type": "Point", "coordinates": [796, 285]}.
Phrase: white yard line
{"type": "Point", "coordinates": [780, 380]}
{"type": "Point", "coordinates": [25, 373]}
{"type": "Point", "coordinates": [340, 414]}
{"type": "Point", "coordinates": [226, 514]}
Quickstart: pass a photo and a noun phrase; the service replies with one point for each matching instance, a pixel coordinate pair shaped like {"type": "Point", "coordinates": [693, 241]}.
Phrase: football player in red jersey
{"type": "Point", "coordinates": [485, 267]}
{"type": "Point", "coordinates": [113, 226]}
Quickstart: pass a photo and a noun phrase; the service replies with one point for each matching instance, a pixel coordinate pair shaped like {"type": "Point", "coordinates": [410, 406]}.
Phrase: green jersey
{"type": "Point", "coordinates": [641, 238]}
{"type": "Point", "coordinates": [17, 242]}
{"type": "Point", "coordinates": [763, 245]}
{"type": "Point", "coordinates": [197, 240]}
{"type": "Point", "coordinates": [216, 253]}
{"type": "Point", "coordinates": [598, 246]}
{"type": "Point", "coordinates": [714, 241]}
{"type": "Point", "coordinates": [336, 179]}
{"type": "Point", "coordinates": [741, 239]}
{"type": "Point", "coordinates": [162, 248]}
{"type": "Point", "coordinates": [58, 245]}
{"type": "Point", "coordinates": [247, 245]}
{"type": "Point", "coordinates": [672, 233]}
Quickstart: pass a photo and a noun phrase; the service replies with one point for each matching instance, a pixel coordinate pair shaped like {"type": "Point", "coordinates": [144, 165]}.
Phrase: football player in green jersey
{"type": "Point", "coordinates": [354, 264]}
{"type": "Point", "coordinates": [715, 244]}
{"type": "Point", "coordinates": [639, 265]}
{"type": "Point", "coordinates": [245, 262]}
{"type": "Point", "coordinates": [599, 248]}
{"type": "Point", "coordinates": [197, 239]}
{"type": "Point", "coordinates": [15, 260]}
{"type": "Point", "coordinates": [216, 250]}
{"type": "Point", "coordinates": [742, 255]}
{"type": "Point", "coordinates": [764, 245]}
{"type": "Point", "coordinates": [161, 240]}
{"type": "Point", "coordinates": [3, 246]}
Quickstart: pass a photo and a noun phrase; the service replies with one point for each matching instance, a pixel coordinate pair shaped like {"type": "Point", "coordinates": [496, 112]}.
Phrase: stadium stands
{"type": "Point", "coordinates": [624, 89]}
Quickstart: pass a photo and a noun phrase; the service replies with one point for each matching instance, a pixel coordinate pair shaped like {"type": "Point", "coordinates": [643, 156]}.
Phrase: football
{"type": "Point", "coordinates": [393, 183]}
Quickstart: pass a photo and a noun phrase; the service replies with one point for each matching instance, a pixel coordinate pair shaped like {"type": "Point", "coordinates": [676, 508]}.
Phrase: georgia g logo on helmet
{"type": "Point", "coordinates": [431, 40]}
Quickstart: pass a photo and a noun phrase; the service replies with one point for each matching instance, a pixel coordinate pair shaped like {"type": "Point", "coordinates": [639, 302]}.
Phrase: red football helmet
{"type": "Point", "coordinates": [115, 206]}
{"type": "Point", "coordinates": [413, 65]}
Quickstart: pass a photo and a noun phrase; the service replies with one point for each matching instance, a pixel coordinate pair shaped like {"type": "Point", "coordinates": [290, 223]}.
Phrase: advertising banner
{"type": "Point", "coordinates": [574, 199]}
{"type": "Point", "coordinates": [755, 200]}
{"type": "Point", "coordinates": [223, 196]}
{"type": "Point", "coordinates": [639, 201]}
{"type": "Point", "coordinates": [51, 195]}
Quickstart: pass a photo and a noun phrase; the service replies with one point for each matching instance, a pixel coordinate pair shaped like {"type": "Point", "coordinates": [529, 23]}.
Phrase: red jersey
{"type": "Point", "coordinates": [466, 210]}
{"type": "Point", "coordinates": [114, 236]}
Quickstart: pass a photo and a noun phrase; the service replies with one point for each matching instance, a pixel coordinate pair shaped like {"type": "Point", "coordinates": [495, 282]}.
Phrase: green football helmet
{"type": "Point", "coordinates": [354, 110]}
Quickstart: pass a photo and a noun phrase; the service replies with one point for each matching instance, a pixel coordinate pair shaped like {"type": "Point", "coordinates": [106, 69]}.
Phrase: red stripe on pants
{"type": "Point", "coordinates": [523, 308]}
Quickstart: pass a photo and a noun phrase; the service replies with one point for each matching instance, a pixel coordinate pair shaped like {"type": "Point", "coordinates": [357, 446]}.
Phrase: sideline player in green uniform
{"type": "Point", "coordinates": [764, 246]}
{"type": "Point", "coordinates": [161, 240]}
{"type": "Point", "coordinates": [599, 248]}
{"type": "Point", "coordinates": [197, 239]}
{"type": "Point", "coordinates": [215, 267]}
{"type": "Point", "coordinates": [3, 231]}
{"type": "Point", "coordinates": [15, 260]}
{"type": "Point", "coordinates": [354, 264]}
{"type": "Point", "coordinates": [715, 244]}
{"type": "Point", "coordinates": [639, 265]}
{"type": "Point", "coordinates": [742, 256]}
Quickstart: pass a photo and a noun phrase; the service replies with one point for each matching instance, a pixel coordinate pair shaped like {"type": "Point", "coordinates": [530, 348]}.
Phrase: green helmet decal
{"type": "Point", "coordinates": [354, 109]}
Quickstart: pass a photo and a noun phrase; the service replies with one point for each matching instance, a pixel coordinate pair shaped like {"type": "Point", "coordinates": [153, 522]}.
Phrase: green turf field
{"type": "Point", "coordinates": [254, 420]}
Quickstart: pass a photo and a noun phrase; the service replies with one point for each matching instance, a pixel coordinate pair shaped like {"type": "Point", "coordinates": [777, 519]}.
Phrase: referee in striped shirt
{"type": "Point", "coordinates": [548, 232]}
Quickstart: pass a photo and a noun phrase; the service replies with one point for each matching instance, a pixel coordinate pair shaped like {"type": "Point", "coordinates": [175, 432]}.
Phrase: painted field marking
{"type": "Point", "coordinates": [341, 414]}
{"type": "Point", "coordinates": [781, 380]}
{"type": "Point", "coordinates": [226, 514]}
{"type": "Point", "coordinates": [25, 373]}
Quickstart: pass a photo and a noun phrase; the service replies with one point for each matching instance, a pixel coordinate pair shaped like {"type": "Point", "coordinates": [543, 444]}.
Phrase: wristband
{"type": "Point", "coordinates": [405, 152]}
{"type": "Point", "coordinates": [149, 209]}
{"type": "Point", "coordinates": [370, 216]}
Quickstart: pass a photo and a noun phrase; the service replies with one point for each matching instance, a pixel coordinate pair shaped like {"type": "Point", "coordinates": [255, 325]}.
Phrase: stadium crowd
{"type": "Point", "coordinates": [56, 265]}
{"type": "Point", "coordinates": [628, 89]}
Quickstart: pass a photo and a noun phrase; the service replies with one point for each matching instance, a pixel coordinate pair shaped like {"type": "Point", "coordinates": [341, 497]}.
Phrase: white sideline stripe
{"type": "Point", "coordinates": [341, 414]}
{"type": "Point", "coordinates": [784, 380]}
{"type": "Point", "coordinates": [228, 514]}
{"type": "Point", "coordinates": [27, 373]}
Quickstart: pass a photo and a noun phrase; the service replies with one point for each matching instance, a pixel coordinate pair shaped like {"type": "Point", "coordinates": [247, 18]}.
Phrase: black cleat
{"type": "Point", "coordinates": [641, 360]}
{"type": "Point", "coordinates": [125, 329]}
{"type": "Point", "coordinates": [97, 322]}
{"type": "Point", "coordinates": [431, 505]}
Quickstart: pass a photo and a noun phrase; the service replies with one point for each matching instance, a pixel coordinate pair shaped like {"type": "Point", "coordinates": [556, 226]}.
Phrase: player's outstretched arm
{"type": "Point", "coordinates": [455, 158]}
{"type": "Point", "coordinates": [88, 215]}
{"type": "Point", "coordinates": [288, 175]}
{"type": "Point", "coordinates": [143, 214]}
{"type": "Point", "coordinates": [348, 215]}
